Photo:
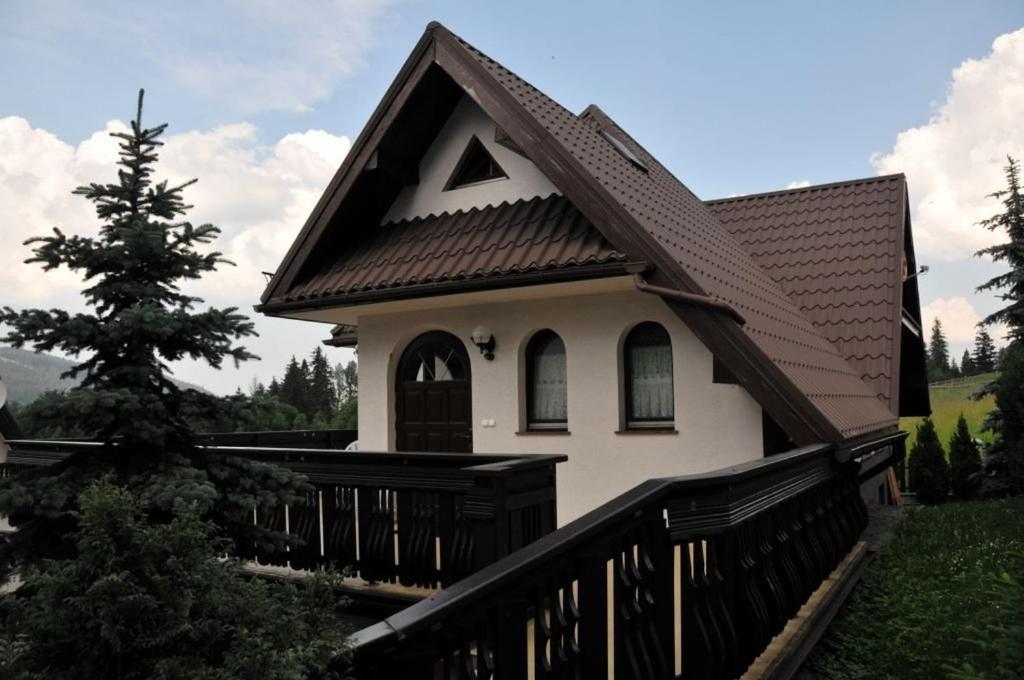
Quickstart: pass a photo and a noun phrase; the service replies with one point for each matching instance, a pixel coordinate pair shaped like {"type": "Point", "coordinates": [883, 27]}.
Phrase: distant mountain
{"type": "Point", "coordinates": [27, 374]}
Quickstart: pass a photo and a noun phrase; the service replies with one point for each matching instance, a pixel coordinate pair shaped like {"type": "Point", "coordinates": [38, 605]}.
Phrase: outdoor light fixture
{"type": "Point", "coordinates": [919, 272]}
{"type": "Point", "coordinates": [484, 339]}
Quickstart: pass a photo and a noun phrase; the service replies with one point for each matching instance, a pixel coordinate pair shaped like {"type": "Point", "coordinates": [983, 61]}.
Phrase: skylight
{"type": "Point", "coordinates": [624, 150]}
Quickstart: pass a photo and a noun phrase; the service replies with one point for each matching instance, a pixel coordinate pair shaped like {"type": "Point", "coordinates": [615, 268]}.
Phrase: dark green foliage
{"type": "Point", "coordinates": [964, 462]}
{"type": "Point", "coordinates": [295, 386]}
{"type": "Point", "coordinates": [967, 368]}
{"type": "Point", "coordinates": [140, 318]}
{"type": "Point", "coordinates": [150, 600]}
{"type": "Point", "coordinates": [1004, 459]}
{"type": "Point", "coordinates": [999, 642]}
{"type": "Point", "coordinates": [928, 603]}
{"type": "Point", "coordinates": [938, 354]}
{"type": "Point", "coordinates": [929, 473]}
{"type": "Point", "coordinates": [1009, 392]}
{"type": "Point", "coordinates": [1011, 284]}
{"type": "Point", "coordinates": [138, 321]}
{"type": "Point", "coordinates": [323, 399]}
{"type": "Point", "coordinates": [984, 358]}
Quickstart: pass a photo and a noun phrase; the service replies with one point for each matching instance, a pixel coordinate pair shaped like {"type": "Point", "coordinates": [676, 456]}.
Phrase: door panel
{"type": "Point", "coordinates": [434, 398]}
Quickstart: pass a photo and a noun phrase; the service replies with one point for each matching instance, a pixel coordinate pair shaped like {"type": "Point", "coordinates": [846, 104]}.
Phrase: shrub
{"type": "Point", "coordinates": [145, 600]}
{"type": "Point", "coordinates": [1010, 403]}
{"type": "Point", "coordinates": [929, 473]}
{"type": "Point", "coordinates": [964, 462]}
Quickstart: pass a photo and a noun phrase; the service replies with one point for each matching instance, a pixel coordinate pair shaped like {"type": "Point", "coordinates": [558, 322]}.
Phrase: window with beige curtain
{"type": "Point", "coordinates": [547, 391]}
{"type": "Point", "coordinates": [648, 372]}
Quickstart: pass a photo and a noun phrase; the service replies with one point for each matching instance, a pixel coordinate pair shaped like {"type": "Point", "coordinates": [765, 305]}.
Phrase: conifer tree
{"type": "Point", "coordinates": [1004, 459]}
{"type": "Point", "coordinates": [138, 321]}
{"type": "Point", "coordinates": [964, 461]}
{"type": "Point", "coordinates": [967, 365]}
{"type": "Point", "coordinates": [984, 352]}
{"type": "Point", "coordinates": [323, 400]}
{"type": "Point", "coordinates": [1011, 284]}
{"type": "Point", "coordinates": [928, 470]}
{"type": "Point", "coordinates": [938, 354]}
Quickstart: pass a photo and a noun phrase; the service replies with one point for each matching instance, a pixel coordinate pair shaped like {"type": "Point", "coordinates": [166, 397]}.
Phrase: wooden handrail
{"type": "Point", "coordinates": [741, 548]}
{"type": "Point", "coordinates": [448, 514]}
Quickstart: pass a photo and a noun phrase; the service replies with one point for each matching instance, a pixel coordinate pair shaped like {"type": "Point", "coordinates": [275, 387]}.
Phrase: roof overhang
{"type": "Point", "coordinates": [347, 313]}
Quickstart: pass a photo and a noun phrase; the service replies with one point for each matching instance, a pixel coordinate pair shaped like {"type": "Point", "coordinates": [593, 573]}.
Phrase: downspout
{"type": "Point", "coordinates": [689, 298]}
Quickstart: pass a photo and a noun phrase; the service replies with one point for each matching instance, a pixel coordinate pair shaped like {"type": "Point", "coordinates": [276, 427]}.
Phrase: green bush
{"type": "Point", "coordinates": [929, 472]}
{"type": "Point", "coordinates": [944, 594]}
{"type": "Point", "coordinates": [145, 600]}
{"type": "Point", "coordinates": [999, 643]}
{"type": "Point", "coordinates": [964, 462]}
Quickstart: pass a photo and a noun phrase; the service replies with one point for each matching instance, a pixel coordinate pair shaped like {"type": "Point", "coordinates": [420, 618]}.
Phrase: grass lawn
{"type": "Point", "coordinates": [930, 596]}
{"type": "Point", "coordinates": [948, 402]}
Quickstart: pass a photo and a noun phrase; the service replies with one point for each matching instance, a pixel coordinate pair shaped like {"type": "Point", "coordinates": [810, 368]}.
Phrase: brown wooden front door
{"type": "Point", "coordinates": [433, 396]}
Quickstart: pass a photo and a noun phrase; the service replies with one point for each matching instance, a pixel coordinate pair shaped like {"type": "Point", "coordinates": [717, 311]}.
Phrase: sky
{"type": "Point", "coordinates": [263, 99]}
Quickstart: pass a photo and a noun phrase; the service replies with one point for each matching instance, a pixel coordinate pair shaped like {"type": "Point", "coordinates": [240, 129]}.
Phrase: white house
{"type": "Point", "coordinates": [520, 278]}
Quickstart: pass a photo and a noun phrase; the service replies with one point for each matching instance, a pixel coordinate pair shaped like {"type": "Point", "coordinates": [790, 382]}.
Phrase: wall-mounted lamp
{"type": "Point", "coordinates": [484, 339]}
{"type": "Point", "coordinates": [919, 272]}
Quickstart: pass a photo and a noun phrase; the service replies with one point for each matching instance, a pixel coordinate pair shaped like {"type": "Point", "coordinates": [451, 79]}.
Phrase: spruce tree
{"type": "Point", "coordinates": [1004, 460]}
{"type": "Point", "coordinates": [295, 386]}
{"type": "Point", "coordinates": [1011, 284]}
{"type": "Point", "coordinates": [964, 461]}
{"type": "Point", "coordinates": [138, 321]}
{"type": "Point", "coordinates": [984, 352]}
{"type": "Point", "coordinates": [323, 400]}
{"type": "Point", "coordinates": [928, 470]}
{"type": "Point", "coordinates": [967, 365]}
{"type": "Point", "coordinates": [938, 354]}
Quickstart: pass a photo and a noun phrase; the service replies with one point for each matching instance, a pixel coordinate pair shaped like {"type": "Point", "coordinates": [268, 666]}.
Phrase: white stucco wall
{"type": "Point", "coordinates": [428, 197]}
{"type": "Point", "coordinates": [718, 425]}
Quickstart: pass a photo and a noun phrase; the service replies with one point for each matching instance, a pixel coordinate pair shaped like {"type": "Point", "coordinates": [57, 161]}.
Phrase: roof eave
{"type": "Point", "coordinates": [453, 287]}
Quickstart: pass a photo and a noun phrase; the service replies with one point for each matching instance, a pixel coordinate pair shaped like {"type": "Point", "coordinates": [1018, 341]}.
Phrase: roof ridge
{"type": "Point", "coordinates": [813, 187]}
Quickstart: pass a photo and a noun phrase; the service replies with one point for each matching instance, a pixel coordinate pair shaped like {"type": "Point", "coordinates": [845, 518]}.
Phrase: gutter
{"type": "Point", "coordinates": [703, 301]}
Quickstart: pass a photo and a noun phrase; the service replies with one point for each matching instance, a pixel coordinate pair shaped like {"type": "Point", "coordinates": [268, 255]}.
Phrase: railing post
{"type": "Point", "coordinates": [593, 603]}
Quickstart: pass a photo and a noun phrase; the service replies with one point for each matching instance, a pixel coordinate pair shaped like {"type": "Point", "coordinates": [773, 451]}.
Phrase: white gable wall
{"type": "Point", "coordinates": [718, 425]}
{"type": "Point", "coordinates": [428, 196]}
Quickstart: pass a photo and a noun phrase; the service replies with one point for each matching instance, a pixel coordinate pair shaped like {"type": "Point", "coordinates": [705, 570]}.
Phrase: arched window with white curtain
{"type": "Point", "coordinates": [647, 363]}
{"type": "Point", "coordinates": [546, 387]}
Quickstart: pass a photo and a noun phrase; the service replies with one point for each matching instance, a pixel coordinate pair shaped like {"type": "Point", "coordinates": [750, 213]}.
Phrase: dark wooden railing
{"type": "Point", "coordinates": [419, 519]}
{"type": "Point", "coordinates": [294, 439]}
{"type": "Point", "coordinates": [686, 577]}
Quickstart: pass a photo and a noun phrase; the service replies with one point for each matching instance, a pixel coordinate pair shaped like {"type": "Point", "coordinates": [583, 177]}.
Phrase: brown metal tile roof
{"type": "Point", "coordinates": [835, 249]}
{"type": "Point", "coordinates": [692, 236]}
{"type": "Point", "coordinates": [529, 235]}
{"type": "Point", "coordinates": [643, 212]}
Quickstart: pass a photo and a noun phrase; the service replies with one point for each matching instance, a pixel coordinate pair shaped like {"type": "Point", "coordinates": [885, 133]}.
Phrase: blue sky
{"type": "Point", "coordinates": [732, 97]}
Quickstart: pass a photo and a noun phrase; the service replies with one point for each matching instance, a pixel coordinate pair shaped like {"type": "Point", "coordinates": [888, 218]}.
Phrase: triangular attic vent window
{"type": "Point", "coordinates": [476, 165]}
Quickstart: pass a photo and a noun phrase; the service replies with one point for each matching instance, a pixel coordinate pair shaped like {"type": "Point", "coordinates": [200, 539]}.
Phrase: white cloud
{"type": "Point", "coordinates": [259, 196]}
{"type": "Point", "coordinates": [304, 48]}
{"type": "Point", "coordinates": [799, 184]}
{"type": "Point", "coordinates": [956, 159]}
{"type": "Point", "coordinates": [247, 55]}
{"type": "Point", "coordinates": [959, 320]}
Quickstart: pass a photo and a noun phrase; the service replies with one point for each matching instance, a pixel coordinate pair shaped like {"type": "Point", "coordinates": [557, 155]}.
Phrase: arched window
{"type": "Point", "coordinates": [647, 363]}
{"type": "Point", "coordinates": [546, 389]}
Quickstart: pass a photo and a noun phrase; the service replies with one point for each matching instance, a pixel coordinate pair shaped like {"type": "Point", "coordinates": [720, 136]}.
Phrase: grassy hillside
{"type": "Point", "coordinates": [949, 400]}
{"type": "Point", "coordinates": [27, 374]}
